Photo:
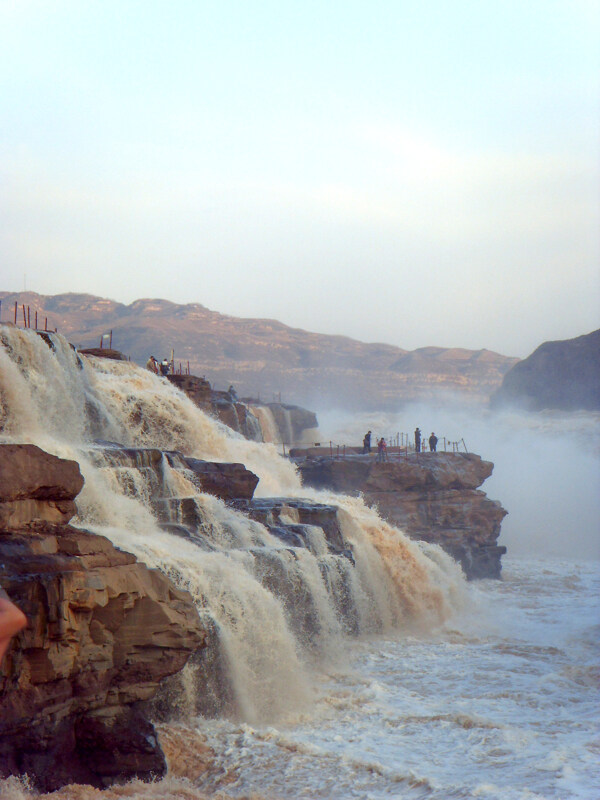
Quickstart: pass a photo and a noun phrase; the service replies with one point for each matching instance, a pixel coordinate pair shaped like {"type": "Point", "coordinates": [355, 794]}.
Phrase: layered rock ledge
{"type": "Point", "coordinates": [431, 496]}
{"type": "Point", "coordinates": [103, 632]}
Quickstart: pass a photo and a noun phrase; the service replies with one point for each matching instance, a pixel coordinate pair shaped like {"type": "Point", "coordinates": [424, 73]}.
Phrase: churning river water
{"type": "Point", "coordinates": [486, 690]}
{"type": "Point", "coordinates": [501, 702]}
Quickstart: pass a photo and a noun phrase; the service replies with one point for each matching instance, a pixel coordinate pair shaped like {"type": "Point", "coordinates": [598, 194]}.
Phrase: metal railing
{"type": "Point", "coordinates": [398, 446]}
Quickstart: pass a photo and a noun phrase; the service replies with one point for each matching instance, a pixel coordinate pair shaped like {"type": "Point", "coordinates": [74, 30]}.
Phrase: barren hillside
{"type": "Point", "coordinates": [265, 357]}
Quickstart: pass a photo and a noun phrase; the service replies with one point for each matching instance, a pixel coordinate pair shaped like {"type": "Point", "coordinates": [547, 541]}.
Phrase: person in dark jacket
{"type": "Point", "coordinates": [417, 440]}
{"type": "Point", "coordinates": [367, 442]}
{"type": "Point", "coordinates": [433, 440]}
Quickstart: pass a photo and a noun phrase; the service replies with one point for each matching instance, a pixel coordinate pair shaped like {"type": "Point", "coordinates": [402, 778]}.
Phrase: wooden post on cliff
{"type": "Point", "coordinates": [24, 317]}
{"type": "Point", "coordinates": [36, 320]}
{"type": "Point", "coordinates": [16, 307]}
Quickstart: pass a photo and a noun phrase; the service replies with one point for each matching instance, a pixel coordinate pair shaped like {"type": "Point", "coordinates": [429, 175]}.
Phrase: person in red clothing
{"type": "Point", "coordinates": [381, 451]}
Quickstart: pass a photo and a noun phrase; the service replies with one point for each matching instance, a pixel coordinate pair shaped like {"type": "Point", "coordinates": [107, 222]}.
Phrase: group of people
{"type": "Point", "coordinates": [433, 440]}
{"type": "Point", "coordinates": [158, 368]}
{"type": "Point", "coordinates": [382, 446]}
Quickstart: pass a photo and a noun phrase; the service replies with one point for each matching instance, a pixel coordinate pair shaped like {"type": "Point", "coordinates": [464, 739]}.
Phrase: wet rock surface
{"type": "Point", "coordinates": [287, 518]}
{"type": "Point", "coordinates": [103, 632]}
{"type": "Point", "coordinates": [224, 480]}
{"type": "Point", "coordinates": [431, 496]}
{"type": "Point", "coordinates": [36, 485]}
{"type": "Point", "coordinates": [223, 405]}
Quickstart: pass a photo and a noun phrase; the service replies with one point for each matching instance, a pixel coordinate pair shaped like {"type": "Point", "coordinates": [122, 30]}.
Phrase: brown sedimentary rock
{"type": "Point", "coordinates": [36, 485]}
{"type": "Point", "coordinates": [225, 480]}
{"type": "Point", "coordinates": [222, 405]}
{"type": "Point", "coordinates": [287, 518]}
{"type": "Point", "coordinates": [197, 389]}
{"type": "Point", "coordinates": [103, 352]}
{"type": "Point", "coordinates": [431, 496]}
{"type": "Point", "coordinates": [103, 631]}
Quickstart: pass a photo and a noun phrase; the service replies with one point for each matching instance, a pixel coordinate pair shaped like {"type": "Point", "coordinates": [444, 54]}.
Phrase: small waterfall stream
{"type": "Point", "coordinates": [276, 596]}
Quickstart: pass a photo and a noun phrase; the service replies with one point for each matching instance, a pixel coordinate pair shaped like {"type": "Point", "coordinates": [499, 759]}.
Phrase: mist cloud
{"type": "Point", "coordinates": [546, 468]}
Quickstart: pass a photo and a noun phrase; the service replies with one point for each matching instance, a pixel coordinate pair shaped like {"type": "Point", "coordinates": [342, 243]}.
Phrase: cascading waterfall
{"type": "Point", "coordinates": [275, 609]}
{"type": "Point", "coordinates": [268, 426]}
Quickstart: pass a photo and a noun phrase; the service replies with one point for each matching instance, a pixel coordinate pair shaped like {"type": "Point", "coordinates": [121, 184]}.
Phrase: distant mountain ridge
{"type": "Point", "coordinates": [563, 375]}
{"type": "Point", "coordinates": [263, 357]}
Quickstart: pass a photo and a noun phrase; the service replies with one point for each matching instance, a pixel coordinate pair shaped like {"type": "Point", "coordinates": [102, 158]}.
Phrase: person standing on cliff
{"type": "Point", "coordinates": [367, 442]}
{"type": "Point", "coordinates": [152, 365]}
{"type": "Point", "coordinates": [381, 451]}
{"type": "Point", "coordinates": [12, 620]}
{"type": "Point", "coordinates": [417, 440]}
{"type": "Point", "coordinates": [433, 440]}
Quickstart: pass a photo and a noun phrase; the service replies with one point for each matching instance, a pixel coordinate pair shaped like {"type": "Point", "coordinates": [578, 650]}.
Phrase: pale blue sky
{"type": "Point", "coordinates": [413, 173]}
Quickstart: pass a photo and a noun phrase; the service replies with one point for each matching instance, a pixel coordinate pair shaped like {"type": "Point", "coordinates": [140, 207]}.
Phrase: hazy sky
{"type": "Point", "coordinates": [409, 172]}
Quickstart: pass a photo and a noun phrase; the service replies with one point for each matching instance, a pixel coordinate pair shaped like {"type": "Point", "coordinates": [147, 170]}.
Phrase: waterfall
{"type": "Point", "coordinates": [268, 426]}
{"type": "Point", "coordinates": [277, 610]}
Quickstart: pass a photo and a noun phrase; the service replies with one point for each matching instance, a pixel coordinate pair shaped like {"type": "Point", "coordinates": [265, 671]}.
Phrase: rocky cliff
{"type": "Point", "coordinates": [103, 632]}
{"type": "Point", "coordinates": [431, 496]}
{"type": "Point", "coordinates": [558, 375]}
{"type": "Point", "coordinates": [256, 420]}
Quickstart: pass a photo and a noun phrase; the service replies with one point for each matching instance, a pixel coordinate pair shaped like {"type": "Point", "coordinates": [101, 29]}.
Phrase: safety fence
{"type": "Point", "coordinates": [397, 447]}
{"type": "Point", "coordinates": [28, 318]}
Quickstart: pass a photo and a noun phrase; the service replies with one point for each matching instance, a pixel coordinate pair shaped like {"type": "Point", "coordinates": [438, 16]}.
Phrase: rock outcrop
{"type": "Point", "coordinates": [558, 375]}
{"type": "Point", "coordinates": [103, 352]}
{"type": "Point", "coordinates": [103, 632]}
{"type": "Point", "coordinates": [431, 496]}
{"type": "Point", "coordinates": [36, 485]}
{"type": "Point", "coordinates": [229, 410]}
{"type": "Point", "coordinates": [289, 519]}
